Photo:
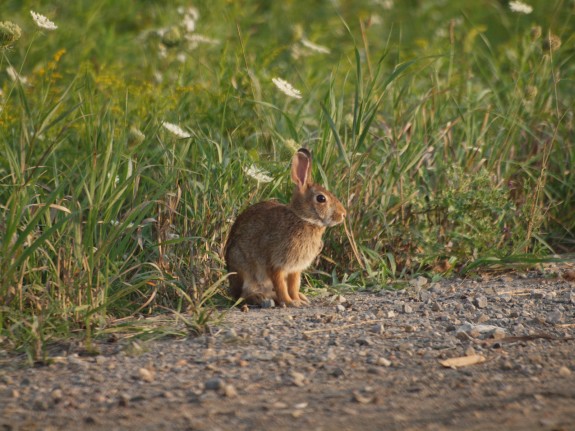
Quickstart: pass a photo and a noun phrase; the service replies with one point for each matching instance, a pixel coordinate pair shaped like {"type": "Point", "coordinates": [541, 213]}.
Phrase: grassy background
{"type": "Point", "coordinates": [445, 129]}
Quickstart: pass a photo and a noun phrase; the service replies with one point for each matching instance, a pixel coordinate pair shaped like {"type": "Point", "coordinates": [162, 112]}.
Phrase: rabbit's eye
{"type": "Point", "coordinates": [320, 198]}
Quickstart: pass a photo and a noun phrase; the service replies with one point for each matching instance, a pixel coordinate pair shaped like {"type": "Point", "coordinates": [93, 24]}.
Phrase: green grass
{"type": "Point", "coordinates": [446, 130]}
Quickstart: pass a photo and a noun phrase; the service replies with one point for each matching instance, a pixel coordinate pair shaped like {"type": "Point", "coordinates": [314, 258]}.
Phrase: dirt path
{"type": "Point", "coordinates": [370, 362]}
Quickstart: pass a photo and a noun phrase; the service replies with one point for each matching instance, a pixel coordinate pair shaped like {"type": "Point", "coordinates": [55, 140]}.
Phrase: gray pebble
{"type": "Point", "coordinates": [268, 303]}
{"type": "Point", "coordinates": [406, 308]}
{"type": "Point", "coordinates": [214, 384]}
{"type": "Point", "coordinates": [378, 328]}
{"type": "Point", "coordinates": [384, 362]}
{"type": "Point", "coordinates": [480, 301]}
{"type": "Point", "coordinates": [554, 317]}
{"type": "Point", "coordinates": [364, 341]}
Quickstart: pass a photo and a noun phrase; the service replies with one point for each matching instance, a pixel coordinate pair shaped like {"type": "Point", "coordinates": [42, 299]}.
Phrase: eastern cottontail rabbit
{"type": "Point", "coordinates": [270, 244]}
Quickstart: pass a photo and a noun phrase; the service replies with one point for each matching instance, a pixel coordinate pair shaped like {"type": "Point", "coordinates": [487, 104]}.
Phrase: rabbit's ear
{"type": "Point", "coordinates": [301, 169]}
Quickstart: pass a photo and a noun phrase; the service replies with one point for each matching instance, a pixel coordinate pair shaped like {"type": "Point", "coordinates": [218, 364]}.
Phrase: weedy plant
{"type": "Point", "coordinates": [125, 158]}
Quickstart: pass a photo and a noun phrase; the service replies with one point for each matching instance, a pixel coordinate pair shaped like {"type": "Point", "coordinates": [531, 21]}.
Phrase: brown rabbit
{"type": "Point", "coordinates": [270, 244]}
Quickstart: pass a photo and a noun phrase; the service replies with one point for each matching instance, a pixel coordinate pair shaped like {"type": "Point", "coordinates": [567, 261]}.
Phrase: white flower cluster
{"type": "Point", "coordinates": [258, 174]}
{"type": "Point", "coordinates": [43, 22]}
{"type": "Point", "coordinates": [286, 88]}
{"type": "Point", "coordinates": [520, 7]}
{"type": "Point", "coordinates": [176, 130]}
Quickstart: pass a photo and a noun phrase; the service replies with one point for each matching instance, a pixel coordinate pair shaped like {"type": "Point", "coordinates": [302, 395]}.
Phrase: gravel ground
{"type": "Point", "coordinates": [385, 360]}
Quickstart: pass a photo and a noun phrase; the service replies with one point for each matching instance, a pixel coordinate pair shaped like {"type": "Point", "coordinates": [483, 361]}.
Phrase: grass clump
{"type": "Point", "coordinates": [131, 136]}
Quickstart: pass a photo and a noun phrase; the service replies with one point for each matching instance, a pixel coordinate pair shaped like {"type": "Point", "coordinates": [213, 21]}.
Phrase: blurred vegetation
{"type": "Point", "coordinates": [445, 128]}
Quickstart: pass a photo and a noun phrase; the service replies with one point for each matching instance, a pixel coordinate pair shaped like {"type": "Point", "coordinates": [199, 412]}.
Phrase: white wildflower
{"type": "Point", "coordinates": [176, 130]}
{"type": "Point", "coordinates": [387, 4]}
{"type": "Point", "coordinates": [520, 7]}
{"type": "Point", "coordinates": [286, 88]}
{"type": "Point", "coordinates": [43, 22]}
{"type": "Point", "coordinates": [197, 39]}
{"type": "Point", "coordinates": [258, 174]}
{"type": "Point", "coordinates": [15, 76]}
{"type": "Point", "coordinates": [315, 47]}
{"type": "Point", "coordinates": [191, 15]}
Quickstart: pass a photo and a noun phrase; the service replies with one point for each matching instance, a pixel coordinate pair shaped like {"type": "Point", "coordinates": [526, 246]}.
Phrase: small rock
{"type": "Point", "coordinates": [406, 308]}
{"type": "Point", "coordinates": [507, 365]}
{"type": "Point", "coordinates": [418, 282]}
{"type": "Point", "coordinates": [572, 297]}
{"type": "Point", "coordinates": [230, 391]}
{"type": "Point", "coordinates": [337, 372]}
{"type": "Point", "coordinates": [339, 308]}
{"type": "Point", "coordinates": [482, 318]}
{"type": "Point", "coordinates": [554, 317]}
{"type": "Point", "coordinates": [436, 306]}
{"type": "Point", "coordinates": [410, 328]}
{"type": "Point", "coordinates": [214, 384]}
{"type": "Point", "coordinates": [378, 328]}
{"type": "Point", "coordinates": [480, 301]}
{"type": "Point", "coordinates": [268, 303]}
{"type": "Point", "coordinates": [384, 362]}
{"type": "Point", "coordinates": [339, 299]}
{"type": "Point", "coordinates": [390, 314]}
{"type": "Point", "coordinates": [498, 333]}
{"type": "Point", "coordinates": [363, 399]}
{"type": "Point", "coordinates": [57, 395]}
{"type": "Point", "coordinates": [90, 420]}
{"type": "Point", "coordinates": [564, 372]}
{"type": "Point", "coordinates": [146, 375]}
{"type": "Point", "coordinates": [298, 379]}
{"type": "Point", "coordinates": [470, 351]}
{"type": "Point", "coordinates": [435, 288]}
{"type": "Point", "coordinates": [231, 333]}
{"type": "Point", "coordinates": [123, 400]}
{"type": "Point", "coordinates": [364, 341]}
{"type": "Point", "coordinates": [41, 404]}
{"type": "Point", "coordinates": [405, 347]}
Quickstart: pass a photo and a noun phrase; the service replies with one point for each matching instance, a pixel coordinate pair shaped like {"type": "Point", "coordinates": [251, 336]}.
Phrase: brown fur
{"type": "Point", "coordinates": [270, 244]}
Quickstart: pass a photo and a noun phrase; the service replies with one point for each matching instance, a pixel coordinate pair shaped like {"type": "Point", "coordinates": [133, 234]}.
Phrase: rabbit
{"type": "Point", "coordinates": [270, 243]}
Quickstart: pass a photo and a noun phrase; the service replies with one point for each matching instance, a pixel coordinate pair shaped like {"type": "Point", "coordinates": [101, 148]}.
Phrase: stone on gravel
{"type": "Point", "coordinates": [384, 362]}
{"type": "Point", "coordinates": [268, 303]}
{"type": "Point", "coordinates": [482, 318]}
{"type": "Point", "coordinates": [230, 391]}
{"type": "Point", "coordinates": [436, 306]}
{"type": "Point", "coordinates": [406, 308]}
{"type": "Point", "coordinates": [338, 299]}
{"type": "Point", "coordinates": [214, 384]}
{"type": "Point", "coordinates": [339, 308]}
{"type": "Point", "coordinates": [57, 395]}
{"type": "Point", "coordinates": [554, 317]}
{"type": "Point", "coordinates": [298, 379]}
{"type": "Point", "coordinates": [337, 372]}
{"type": "Point", "coordinates": [146, 375]}
{"type": "Point", "coordinates": [564, 372]}
{"type": "Point", "coordinates": [364, 341]}
{"type": "Point", "coordinates": [498, 333]}
{"type": "Point", "coordinates": [378, 328]}
{"type": "Point", "coordinates": [418, 282]}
